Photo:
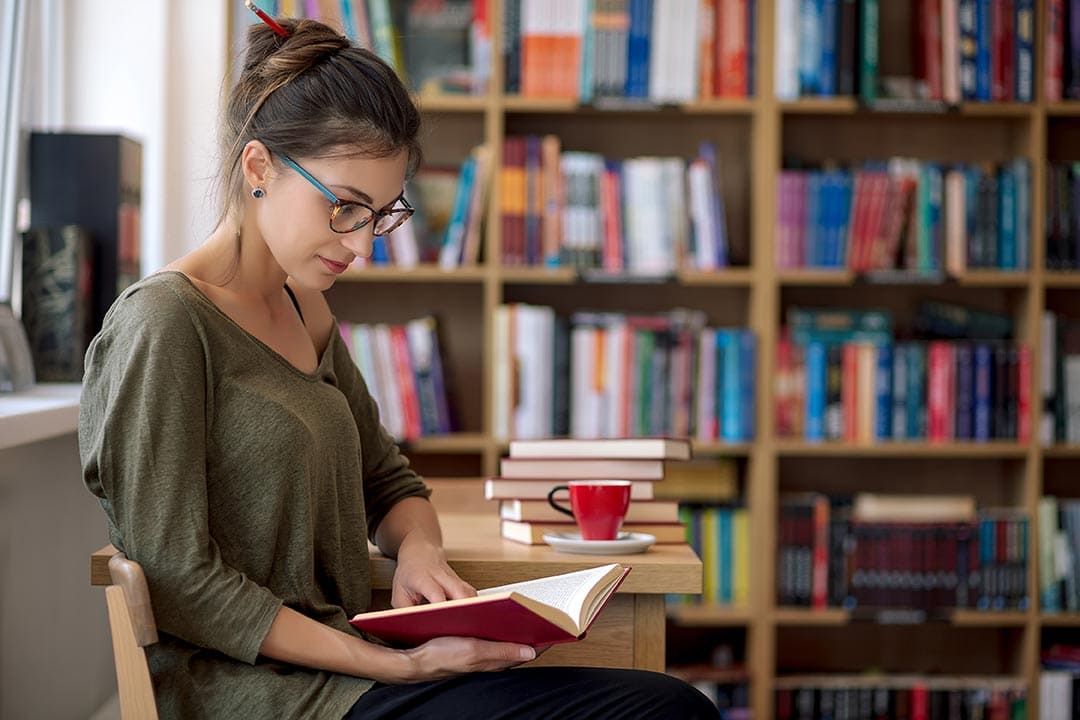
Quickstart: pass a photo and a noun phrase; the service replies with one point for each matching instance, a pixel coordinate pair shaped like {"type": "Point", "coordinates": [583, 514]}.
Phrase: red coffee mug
{"type": "Point", "coordinates": [598, 506]}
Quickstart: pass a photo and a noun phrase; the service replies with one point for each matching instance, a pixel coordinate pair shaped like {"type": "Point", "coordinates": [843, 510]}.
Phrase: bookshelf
{"type": "Point", "coordinates": [753, 136]}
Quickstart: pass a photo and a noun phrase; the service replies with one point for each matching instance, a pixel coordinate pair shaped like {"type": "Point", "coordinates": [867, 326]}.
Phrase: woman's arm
{"type": "Point", "coordinates": [297, 639]}
{"type": "Point", "coordinates": [410, 533]}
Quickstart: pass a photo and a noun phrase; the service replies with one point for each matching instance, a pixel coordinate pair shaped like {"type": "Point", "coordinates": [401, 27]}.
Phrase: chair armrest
{"type": "Point", "coordinates": [99, 566]}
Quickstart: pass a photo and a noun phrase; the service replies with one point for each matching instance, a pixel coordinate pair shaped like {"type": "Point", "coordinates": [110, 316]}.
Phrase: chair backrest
{"type": "Point", "coordinates": [131, 622]}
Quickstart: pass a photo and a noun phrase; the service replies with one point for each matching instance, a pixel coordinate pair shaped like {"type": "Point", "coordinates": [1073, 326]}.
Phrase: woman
{"type": "Point", "coordinates": [237, 452]}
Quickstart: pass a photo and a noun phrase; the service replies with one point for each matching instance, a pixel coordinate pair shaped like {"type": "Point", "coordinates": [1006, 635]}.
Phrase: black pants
{"type": "Point", "coordinates": [556, 693]}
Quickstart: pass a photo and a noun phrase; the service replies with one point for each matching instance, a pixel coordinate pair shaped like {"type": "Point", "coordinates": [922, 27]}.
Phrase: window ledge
{"type": "Point", "coordinates": [46, 411]}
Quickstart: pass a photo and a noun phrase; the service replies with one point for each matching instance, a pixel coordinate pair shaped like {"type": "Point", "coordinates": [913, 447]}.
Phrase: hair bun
{"type": "Point", "coordinates": [277, 60]}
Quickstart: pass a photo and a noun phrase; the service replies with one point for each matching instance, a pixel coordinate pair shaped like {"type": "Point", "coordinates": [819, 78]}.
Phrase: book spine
{"type": "Point", "coordinates": [983, 393]}
{"type": "Point", "coordinates": [1024, 59]}
{"type": "Point", "coordinates": [883, 386]}
{"type": "Point", "coordinates": [969, 48]}
{"type": "Point", "coordinates": [828, 64]}
{"type": "Point", "coordinates": [1054, 60]}
{"type": "Point", "coordinates": [809, 44]}
{"type": "Point", "coordinates": [869, 24]}
{"type": "Point", "coordinates": [814, 420]}
{"type": "Point", "coordinates": [916, 392]}
{"type": "Point", "coordinates": [984, 40]}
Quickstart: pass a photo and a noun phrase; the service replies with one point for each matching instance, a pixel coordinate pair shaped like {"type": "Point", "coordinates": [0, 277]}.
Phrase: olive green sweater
{"type": "Point", "coordinates": [239, 483]}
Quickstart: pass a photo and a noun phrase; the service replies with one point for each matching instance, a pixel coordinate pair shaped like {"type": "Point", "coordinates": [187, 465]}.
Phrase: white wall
{"type": "Point", "coordinates": [153, 69]}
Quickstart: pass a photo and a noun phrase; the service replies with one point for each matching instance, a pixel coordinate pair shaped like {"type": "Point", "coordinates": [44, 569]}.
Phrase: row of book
{"type": "Point", "coordinates": [872, 697]}
{"type": "Point", "coordinates": [906, 214]}
{"type": "Point", "coordinates": [646, 215]}
{"type": "Point", "coordinates": [402, 367]}
{"type": "Point", "coordinates": [929, 554]}
{"type": "Point", "coordinates": [657, 51]}
{"type": "Point", "coordinates": [442, 46]}
{"type": "Point", "coordinates": [534, 467]}
{"type": "Point", "coordinates": [960, 50]}
{"type": "Point", "coordinates": [1063, 216]}
{"type": "Point", "coordinates": [1059, 682]}
{"type": "Point", "coordinates": [617, 375]}
{"type": "Point", "coordinates": [720, 535]}
{"type": "Point", "coordinates": [1060, 374]}
{"type": "Point", "coordinates": [840, 376]}
{"type": "Point", "coordinates": [1059, 554]}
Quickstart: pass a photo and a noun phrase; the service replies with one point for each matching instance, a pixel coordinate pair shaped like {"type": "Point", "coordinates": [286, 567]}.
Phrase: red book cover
{"type": "Point", "coordinates": [507, 616]}
{"type": "Point", "coordinates": [1000, 59]}
{"type": "Point", "coordinates": [875, 220]}
{"type": "Point", "coordinates": [820, 585]}
{"type": "Point", "coordinates": [937, 400]}
{"type": "Point", "coordinates": [731, 35]}
{"type": "Point", "coordinates": [410, 400]}
{"type": "Point", "coordinates": [848, 391]}
{"type": "Point", "coordinates": [929, 45]}
{"type": "Point", "coordinates": [920, 702]}
{"type": "Point", "coordinates": [857, 222]}
{"type": "Point", "coordinates": [610, 192]}
{"type": "Point", "coordinates": [1055, 49]}
{"type": "Point", "coordinates": [1023, 401]}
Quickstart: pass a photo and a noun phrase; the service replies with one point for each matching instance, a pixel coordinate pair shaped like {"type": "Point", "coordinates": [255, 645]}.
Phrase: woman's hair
{"type": "Point", "coordinates": [312, 94]}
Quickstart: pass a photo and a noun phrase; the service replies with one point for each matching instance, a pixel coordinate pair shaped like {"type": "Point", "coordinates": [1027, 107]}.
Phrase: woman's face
{"type": "Point", "coordinates": [294, 216]}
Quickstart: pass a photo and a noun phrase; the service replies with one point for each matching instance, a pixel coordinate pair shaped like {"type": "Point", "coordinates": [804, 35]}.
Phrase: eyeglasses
{"type": "Point", "coordinates": [347, 216]}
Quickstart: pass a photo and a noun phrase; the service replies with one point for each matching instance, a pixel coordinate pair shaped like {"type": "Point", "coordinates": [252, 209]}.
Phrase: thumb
{"type": "Point", "coordinates": [509, 651]}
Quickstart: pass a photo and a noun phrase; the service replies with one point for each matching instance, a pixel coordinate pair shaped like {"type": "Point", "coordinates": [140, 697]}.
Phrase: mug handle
{"type": "Point", "coordinates": [552, 503]}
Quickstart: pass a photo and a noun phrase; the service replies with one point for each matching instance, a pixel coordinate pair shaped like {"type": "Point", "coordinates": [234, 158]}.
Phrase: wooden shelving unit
{"type": "Point", "coordinates": [753, 136]}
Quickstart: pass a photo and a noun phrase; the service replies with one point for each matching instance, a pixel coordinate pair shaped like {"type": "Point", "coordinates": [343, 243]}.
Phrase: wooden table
{"type": "Point", "coordinates": [630, 630]}
{"type": "Point", "coordinates": [628, 633]}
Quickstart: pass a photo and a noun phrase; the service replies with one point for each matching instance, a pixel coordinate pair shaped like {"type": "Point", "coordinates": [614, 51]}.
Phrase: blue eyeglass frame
{"type": "Point", "coordinates": [407, 210]}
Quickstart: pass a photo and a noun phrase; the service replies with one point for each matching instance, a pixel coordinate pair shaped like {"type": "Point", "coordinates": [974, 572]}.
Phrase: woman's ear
{"type": "Point", "coordinates": [256, 164]}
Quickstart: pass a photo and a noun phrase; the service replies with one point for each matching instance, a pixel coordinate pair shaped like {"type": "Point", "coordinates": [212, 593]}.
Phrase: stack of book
{"type": "Point", "coordinates": [536, 466]}
{"type": "Point", "coordinates": [1059, 554]}
{"type": "Point", "coordinates": [1059, 682]}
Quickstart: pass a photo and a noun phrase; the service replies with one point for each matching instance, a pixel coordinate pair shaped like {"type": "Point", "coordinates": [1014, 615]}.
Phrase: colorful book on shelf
{"type": "Point", "coordinates": [532, 533]}
{"type": "Point", "coordinates": [542, 612]}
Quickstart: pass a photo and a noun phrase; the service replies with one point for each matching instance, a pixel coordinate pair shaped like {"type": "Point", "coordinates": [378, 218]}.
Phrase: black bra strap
{"type": "Point", "coordinates": [294, 302]}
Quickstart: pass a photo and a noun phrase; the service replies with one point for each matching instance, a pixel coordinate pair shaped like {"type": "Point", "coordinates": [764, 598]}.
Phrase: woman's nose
{"type": "Point", "coordinates": [359, 242]}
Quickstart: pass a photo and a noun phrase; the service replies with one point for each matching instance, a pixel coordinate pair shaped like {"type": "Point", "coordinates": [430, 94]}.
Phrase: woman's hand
{"type": "Point", "coordinates": [449, 656]}
{"type": "Point", "coordinates": [423, 574]}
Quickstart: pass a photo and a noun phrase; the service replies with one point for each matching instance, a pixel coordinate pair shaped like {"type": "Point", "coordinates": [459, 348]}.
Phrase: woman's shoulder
{"type": "Point", "coordinates": [163, 302]}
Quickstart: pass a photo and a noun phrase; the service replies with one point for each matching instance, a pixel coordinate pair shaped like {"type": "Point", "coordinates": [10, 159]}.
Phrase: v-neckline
{"type": "Point", "coordinates": [314, 376]}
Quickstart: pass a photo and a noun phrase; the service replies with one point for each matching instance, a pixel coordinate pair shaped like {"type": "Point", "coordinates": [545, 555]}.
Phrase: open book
{"type": "Point", "coordinates": [538, 612]}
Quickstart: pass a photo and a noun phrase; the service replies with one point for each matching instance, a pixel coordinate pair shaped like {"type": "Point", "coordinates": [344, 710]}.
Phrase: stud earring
{"type": "Point", "coordinates": [258, 193]}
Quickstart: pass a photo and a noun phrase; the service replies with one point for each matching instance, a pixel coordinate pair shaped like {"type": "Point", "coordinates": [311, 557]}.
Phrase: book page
{"type": "Point", "coordinates": [569, 592]}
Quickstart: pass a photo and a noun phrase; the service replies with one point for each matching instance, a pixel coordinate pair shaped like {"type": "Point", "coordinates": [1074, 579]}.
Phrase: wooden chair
{"type": "Point", "coordinates": [131, 622]}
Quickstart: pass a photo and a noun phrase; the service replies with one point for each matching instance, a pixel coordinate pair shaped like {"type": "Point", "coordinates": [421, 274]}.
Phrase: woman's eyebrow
{"type": "Point", "coordinates": [358, 193]}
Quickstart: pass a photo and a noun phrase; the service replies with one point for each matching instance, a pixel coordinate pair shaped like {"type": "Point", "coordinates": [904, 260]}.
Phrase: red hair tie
{"type": "Point", "coordinates": [266, 19]}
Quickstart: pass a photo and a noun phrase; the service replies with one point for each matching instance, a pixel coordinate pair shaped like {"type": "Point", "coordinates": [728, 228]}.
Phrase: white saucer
{"type": "Point", "coordinates": [625, 544]}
